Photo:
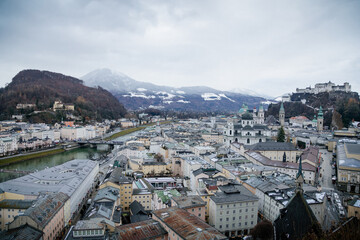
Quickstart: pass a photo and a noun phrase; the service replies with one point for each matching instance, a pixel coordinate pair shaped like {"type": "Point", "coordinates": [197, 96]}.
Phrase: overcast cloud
{"type": "Point", "coordinates": [270, 47]}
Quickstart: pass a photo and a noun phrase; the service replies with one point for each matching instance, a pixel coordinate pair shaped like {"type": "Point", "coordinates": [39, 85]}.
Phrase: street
{"type": "Point", "coordinates": [326, 170]}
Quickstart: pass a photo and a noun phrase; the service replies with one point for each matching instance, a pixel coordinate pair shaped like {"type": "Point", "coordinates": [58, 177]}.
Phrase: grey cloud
{"type": "Point", "coordinates": [269, 46]}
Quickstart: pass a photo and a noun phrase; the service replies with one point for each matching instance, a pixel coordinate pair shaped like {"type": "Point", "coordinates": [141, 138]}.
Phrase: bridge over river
{"type": "Point", "coordinates": [100, 142]}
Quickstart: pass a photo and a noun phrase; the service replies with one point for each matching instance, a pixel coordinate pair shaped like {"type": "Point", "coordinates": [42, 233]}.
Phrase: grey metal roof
{"type": "Point", "coordinates": [233, 193]}
{"type": "Point", "coordinates": [272, 146]}
{"type": "Point", "coordinates": [25, 232]}
{"type": "Point", "coordinates": [110, 193]}
{"type": "Point", "coordinates": [189, 201]}
{"type": "Point", "coordinates": [64, 178]}
{"type": "Point", "coordinates": [353, 148]}
{"type": "Point", "coordinates": [46, 208]}
{"type": "Point", "coordinates": [16, 204]}
{"type": "Point", "coordinates": [343, 160]}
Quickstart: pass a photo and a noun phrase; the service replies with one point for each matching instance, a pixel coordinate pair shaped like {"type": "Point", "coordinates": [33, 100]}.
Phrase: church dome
{"type": "Point", "coordinates": [247, 116]}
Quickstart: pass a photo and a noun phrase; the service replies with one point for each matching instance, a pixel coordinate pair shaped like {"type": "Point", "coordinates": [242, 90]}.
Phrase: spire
{"type": "Point", "coordinates": [300, 169]}
{"type": "Point", "coordinates": [299, 178]}
{"type": "Point", "coordinates": [261, 108]}
{"type": "Point", "coordinates": [320, 114]}
{"type": "Point", "coordinates": [282, 107]}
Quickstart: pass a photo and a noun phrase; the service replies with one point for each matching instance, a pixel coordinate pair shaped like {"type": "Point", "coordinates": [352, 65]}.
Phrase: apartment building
{"type": "Point", "coordinates": [233, 210]}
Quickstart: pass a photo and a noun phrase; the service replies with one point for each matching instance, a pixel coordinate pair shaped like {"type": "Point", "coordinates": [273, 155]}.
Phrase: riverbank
{"type": "Point", "coordinates": [20, 158]}
{"type": "Point", "coordinates": [124, 132]}
{"type": "Point", "coordinates": [131, 130]}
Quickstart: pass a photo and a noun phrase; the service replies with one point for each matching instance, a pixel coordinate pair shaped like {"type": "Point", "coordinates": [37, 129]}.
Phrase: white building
{"type": "Point", "coordinates": [74, 178]}
{"type": "Point", "coordinates": [245, 131]}
{"type": "Point", "coordinates": [8, 145]}
{"type": "Point", "coordinates": [233, 210]}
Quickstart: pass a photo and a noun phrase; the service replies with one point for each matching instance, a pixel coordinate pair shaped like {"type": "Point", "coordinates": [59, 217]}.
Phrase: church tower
{"type": "Point", "coordinates": [299, 178]}
{"type": "Point", "coordinates": [261, 115]}
{"type": "Point", "coordinates": [282, 115]}
{"type": "Point", "coordinates": [320, 120]}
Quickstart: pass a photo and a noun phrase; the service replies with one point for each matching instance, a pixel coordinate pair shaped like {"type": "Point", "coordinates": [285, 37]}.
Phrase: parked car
{"type": "Point", "coordinates": [342, 213]}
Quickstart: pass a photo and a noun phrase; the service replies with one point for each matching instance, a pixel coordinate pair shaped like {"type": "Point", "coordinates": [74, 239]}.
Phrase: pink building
{"type": "Point", "coordinates": [47, 215]}
{"type": "Point", "coordinates": [192, 204]}
{"type": "Point", "coordinates": [148, 229]}
{"type": "Point", "coordinates": [182, 225]}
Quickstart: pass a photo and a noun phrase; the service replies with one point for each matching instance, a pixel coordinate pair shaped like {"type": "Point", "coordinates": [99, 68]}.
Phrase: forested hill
{"type": "Point", "coordinates": [43, 88]}
{"type": "Point", "coordinates": [339, 108]}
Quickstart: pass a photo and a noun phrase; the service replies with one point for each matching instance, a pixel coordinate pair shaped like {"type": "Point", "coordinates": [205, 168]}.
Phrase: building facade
{"type": "Point", "coordinates": [233, 210]}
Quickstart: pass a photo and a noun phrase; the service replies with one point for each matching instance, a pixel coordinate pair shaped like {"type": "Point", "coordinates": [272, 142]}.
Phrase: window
{"type": "Point", "coordinates": [192, 210]}
{"type": "Point", "coordinates": [227, 225]}
{"type": "Point", "coordinates": [227, 219]}
{"type": "Point", "coordinates": [220, 219]}
{"type": "Point", "coordinates": [227, 212]}
{"type": "Point", "coordinates": [220, 226]}
{"type": "Point", "coordinates": [199, 209]}
{"type": "Point", "coordinates": [240, 211]}
{"type": "Point", "coordinates": [234, 211]}
{"type": "Point", "coordinates": [245, 223]}
{"type": "Point", "coordinates": [233, 224]}
{"type": "Point", "coordinates": [252, 222]}
{"type": "Point", "coordinates": [239, 217]}
{"type": "Point", "coordinates": [199, 214]}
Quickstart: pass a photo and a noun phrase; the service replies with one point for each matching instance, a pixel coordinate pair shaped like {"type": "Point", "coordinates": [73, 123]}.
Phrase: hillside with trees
{"type": "Point", "coordinates": [339, 108]}
{"type": "Point", "coordinates": [43, 88]}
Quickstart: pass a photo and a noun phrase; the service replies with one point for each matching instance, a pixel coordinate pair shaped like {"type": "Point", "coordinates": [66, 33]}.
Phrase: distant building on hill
{"type": "Point", "coordinates": [325, 87]}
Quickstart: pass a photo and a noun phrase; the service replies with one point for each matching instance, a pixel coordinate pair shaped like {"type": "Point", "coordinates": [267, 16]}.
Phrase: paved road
{"type": "Point", "coordinates": [326, 170]}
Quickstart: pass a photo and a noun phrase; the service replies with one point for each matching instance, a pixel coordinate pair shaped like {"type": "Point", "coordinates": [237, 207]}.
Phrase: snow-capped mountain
{"type": "Point", "coordinates": [136, 95]}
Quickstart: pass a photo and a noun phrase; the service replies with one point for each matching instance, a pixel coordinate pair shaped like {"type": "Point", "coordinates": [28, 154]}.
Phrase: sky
{"type": "Point", "coordinates": [268, 46]}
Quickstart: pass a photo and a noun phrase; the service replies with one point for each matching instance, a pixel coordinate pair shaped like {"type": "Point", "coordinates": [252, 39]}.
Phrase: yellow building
{"type": "Point", "coordinates": [124, 184]}
{"type": "Point", "coordinates": [150, 168]}
{"type": "Point", "coordinates": [142, 194]}
{"type": "Point", "coordinates": [205, 195]}
{"type": "Point", "coordinates": [154, 168]}
{"type": "Point", "coordinates": [10, 208]}
{"type": "Point", "coordinates": [354, 208]}
{"type": "Point", "coordinates": [348, 167]}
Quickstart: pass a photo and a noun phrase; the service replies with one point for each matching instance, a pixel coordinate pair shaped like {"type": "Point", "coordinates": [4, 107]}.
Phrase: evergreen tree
{"type": "Point", "coordinates": [281, 135]}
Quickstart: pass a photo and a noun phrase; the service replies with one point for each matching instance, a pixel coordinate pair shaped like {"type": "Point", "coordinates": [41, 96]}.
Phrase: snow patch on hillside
{"type": "Point", "coordinates": [182, 101]}
{"type": "Point", "coordinates": [224, 96]}
{"type": "Point", "coordinates": [141, 95]}
{"type": "Point", "coordinates": [268, 102]}
{"type": "Point", "coordinates": [165, 95]}
{"type": "Point", "coordinates": [210, 96]}
{"type": "Point", "coordinates": [141, 89]}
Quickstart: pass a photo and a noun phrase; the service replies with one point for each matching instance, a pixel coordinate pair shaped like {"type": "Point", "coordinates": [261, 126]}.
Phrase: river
{"type": "Point", "coordinates": [57, 159]}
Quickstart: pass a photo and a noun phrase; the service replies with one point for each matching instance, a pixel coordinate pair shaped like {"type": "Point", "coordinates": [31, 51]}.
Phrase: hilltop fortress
{"type": "Point", "coordinates": [325, 87]}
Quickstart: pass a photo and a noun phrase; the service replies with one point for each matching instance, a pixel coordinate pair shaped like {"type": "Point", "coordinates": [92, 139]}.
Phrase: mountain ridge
{"type": "Point", "coordinates": [44, 87]}
{"type": "Point", "coordinates": [137, 95]}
